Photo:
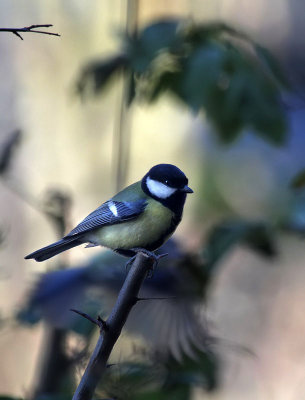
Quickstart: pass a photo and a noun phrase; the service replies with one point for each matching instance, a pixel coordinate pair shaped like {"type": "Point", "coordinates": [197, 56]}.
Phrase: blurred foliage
{"type": "Point", "coordinates": [8, 149]}
{"type": "Point", "coordinates": [209, 67]}
{"type": "Point", "coordinates": [223, 237]}
{"type": "Point", "coordinates": [295, 221]}
{"type": "Point", "coordinates": [298, 182]}
{"type": "Point", "coordinates": [10, 398]}
{"type": "Point", "coordinates": [161, 378]}
{"type": "Point", "coordinates": [220, 241]}
{"type": "Point", "coordinates": [99, 73]}
{"type": "Point", "coordinates": [57, 205]}
{"type": "Point", "coordinates": [7, 152]}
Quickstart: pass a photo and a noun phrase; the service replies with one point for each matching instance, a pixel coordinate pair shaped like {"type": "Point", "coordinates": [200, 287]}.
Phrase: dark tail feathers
{"type": "Point", "coordinates": [53, 249]}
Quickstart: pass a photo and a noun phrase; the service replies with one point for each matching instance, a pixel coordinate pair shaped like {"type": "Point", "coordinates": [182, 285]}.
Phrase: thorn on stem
{"type": "Point", "coordinates": [99, 321]}
{"type": "Point", "coordinates": [17, 34]}
{"type": "Point", "coordinates": [154, 298]}
{"type": "Point", "coordinates": [162, 255]}
{"type": "Point", "coordinates": [102, 324]}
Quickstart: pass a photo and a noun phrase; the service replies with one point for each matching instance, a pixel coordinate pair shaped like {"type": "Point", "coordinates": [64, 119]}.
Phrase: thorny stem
{"type": "Point", "coordinates": [127, 298]}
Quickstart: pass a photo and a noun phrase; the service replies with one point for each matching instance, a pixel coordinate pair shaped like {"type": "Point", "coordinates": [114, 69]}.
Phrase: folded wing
{"type": "Point", "coordinates": [109, 213]}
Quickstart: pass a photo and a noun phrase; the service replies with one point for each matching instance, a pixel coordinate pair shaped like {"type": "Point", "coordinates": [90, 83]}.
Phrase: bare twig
{"type": "Point", "coordinates": [127, 298]}
{"type": "Point", "coordinates": [31, 28]}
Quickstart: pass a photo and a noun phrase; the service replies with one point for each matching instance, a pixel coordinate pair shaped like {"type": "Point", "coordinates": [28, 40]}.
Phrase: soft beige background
{"type": "Point", "coordinates": [68, 144]}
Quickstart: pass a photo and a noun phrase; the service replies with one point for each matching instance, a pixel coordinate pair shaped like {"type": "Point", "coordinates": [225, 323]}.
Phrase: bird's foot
{"type": "Point", "coordinates": [148, 253]}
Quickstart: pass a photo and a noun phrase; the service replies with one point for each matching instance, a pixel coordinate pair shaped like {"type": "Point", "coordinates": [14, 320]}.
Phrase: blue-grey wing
{"type": "Point", "coordinates": [109, 213]}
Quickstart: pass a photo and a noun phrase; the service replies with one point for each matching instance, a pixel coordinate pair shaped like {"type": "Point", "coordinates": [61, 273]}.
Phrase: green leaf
{"type": "Point", "coordinates": [201, 370]}
{"type": "Point", "coordinates": [259, 237]}
{"type": "Point", "coordinates": [220, 240]}
{"type": "Point", "coordinates": [157, 37]}
{"type": "Point", "coordinates": [225, 236]}
{"type": "Point", "coordinates": [272, 64]}
{"type": "Point", "coordinates": [264, 111]}
{"type": "Point", "coordinates": [272, 126]}
{"type": "Point", "coordinates": [206, 69]}
{"type": "Point", "coordinates": [200, 74]}
{"type": "Point", "coordinates": [97, 74]}
{"type": "Point", "coordinates": [196, 34]}
{"type": "Point", "coordinates": [168, 82]}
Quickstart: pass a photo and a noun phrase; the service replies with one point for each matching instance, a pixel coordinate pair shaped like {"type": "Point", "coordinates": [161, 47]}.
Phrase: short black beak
{"type": "Point", "coordinates": [186, 189]}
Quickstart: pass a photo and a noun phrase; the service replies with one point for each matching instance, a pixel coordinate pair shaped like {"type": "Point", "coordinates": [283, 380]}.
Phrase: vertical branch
{"type": "Point", "coordinates": [121, 143]}
{"type": "Point", "coordinates": [55, 364]}
{"type": "Point", "coordinates": [112, 328]}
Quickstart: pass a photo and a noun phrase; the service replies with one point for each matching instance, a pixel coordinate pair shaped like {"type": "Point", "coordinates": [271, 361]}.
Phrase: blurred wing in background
{"type": "Point", "coordinates": [174, 326]}
{"type": "Point", "coordinates": [170, 319]}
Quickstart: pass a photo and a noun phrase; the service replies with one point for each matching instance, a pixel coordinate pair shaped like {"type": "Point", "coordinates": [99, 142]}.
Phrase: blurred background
{"type": "Point", "coordinates": [73, 150]}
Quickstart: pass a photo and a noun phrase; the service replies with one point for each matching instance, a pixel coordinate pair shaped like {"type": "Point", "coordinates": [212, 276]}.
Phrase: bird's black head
{"type": "Point", "coordinates": [167, 184]}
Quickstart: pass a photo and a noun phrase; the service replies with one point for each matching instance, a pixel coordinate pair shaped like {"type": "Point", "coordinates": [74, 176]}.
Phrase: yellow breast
{"type": "Point", "coordinates": [152, 224]}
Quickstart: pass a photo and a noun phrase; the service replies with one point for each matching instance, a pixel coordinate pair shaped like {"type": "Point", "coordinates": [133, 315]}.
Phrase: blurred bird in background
{"type": "Point", "coordinates": [170, 318]}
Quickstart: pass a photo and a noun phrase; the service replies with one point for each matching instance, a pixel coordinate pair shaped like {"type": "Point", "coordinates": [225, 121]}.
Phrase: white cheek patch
{"type": "Point", "coordinates": [158, 189]}
{"type": "Point", "coordinates": [112, 208]}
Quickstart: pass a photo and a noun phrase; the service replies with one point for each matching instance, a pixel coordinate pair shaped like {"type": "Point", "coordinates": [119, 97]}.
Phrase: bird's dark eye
{"type": "Point", "coordinates": [166, 182]}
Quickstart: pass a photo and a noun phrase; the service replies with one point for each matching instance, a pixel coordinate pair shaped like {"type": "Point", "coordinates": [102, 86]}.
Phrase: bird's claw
{"type": "Point", "coordinates": [148, 253]}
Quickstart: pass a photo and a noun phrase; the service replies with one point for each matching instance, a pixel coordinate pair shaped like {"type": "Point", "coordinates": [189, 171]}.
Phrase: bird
{"type": "Point", "coordinates": [140, 217]}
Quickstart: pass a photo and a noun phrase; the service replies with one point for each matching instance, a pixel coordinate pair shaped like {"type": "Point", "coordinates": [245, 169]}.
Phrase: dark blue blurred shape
{"type": "Point", "coordinates": [174, 325]}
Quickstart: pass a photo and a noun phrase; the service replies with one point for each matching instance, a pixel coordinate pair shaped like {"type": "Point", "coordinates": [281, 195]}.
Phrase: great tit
{"type": "Point", "coordinates": [142, 216]}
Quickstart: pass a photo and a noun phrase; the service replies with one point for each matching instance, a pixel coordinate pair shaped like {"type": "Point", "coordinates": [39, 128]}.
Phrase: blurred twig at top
{"type": "Point", "coordinates": [32, 28]}
{"type": "Point", "coordinates": [211, 68]}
